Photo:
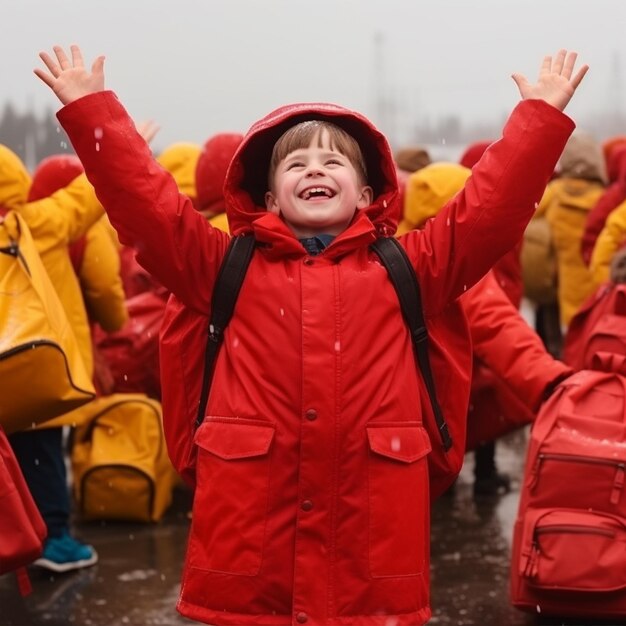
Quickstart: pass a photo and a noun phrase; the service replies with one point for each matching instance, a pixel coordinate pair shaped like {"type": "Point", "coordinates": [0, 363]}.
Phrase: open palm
{"type": "Point", "coordinates": [70, 80]}
{"type": "Point", "coordinates": [555, 84]}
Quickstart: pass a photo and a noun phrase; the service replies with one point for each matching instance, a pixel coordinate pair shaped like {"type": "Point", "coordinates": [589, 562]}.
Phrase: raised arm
{"type": "Point", "coordinates": [173, 242]}
{"type": "Point", "coordinates": [69, 80]}
{"type": "Point", "coordinates": [555, 84]}
{"type": "Point", "coordinates": [488, 216]}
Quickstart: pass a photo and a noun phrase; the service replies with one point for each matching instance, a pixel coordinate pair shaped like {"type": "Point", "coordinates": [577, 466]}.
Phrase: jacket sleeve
{"type": "Point", "coordinates": [610, 240]}
{"type": "Point", "coordinates": [174, 243]}
{"type": "Point", "coordinates": [64, 216]}
{"type": "Point", "coordinates": [596, 219]}
{"type": "Point", "coordinates": [504, 342]}
{"type": "Point", "coordinates": [100, 279]}
{"type": "Point", "coordinates": [488, 216]}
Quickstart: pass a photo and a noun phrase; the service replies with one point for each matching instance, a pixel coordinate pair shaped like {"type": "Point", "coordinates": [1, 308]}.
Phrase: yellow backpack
{"type": "Point", "coordinates": [539, 262]}
{"type": "Point", "coordinates": [120, 462]}
{"type": "Point", "coordinates": [42, 373]}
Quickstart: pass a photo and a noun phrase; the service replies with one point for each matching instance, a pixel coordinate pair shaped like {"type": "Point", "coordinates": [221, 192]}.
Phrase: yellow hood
{"type": "Point", "coordinates": [428, 190]}
{"type": "Point", "coordinates": [14, 180]}
{"type": "Point", "coordinates": [180, 161]}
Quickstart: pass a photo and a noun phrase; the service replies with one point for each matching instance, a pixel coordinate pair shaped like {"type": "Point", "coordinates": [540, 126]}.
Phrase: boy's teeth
{"type": "Point", "coordinates": [321, 190]}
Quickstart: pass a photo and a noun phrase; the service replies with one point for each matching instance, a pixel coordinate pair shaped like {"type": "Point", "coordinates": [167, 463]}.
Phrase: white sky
{"type": "Point", "coordinates": [198, 67]}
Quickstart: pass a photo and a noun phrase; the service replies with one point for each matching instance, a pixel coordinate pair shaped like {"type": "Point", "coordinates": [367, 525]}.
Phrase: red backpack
{"type": "Point", "coordinates": [599, 326]}
{"type": "Point", "coordinates": [22, 529]}
{"type": "Point", "coordinates": [569, 539]}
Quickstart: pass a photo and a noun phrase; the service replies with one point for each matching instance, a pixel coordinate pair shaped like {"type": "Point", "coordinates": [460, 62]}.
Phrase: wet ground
{"type": "Point", "coordinates": [137, 579]}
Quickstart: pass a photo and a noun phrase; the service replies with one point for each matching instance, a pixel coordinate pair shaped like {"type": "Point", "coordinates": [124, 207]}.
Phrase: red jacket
{"type": "Point", "coordinates": [311, 503]}
{"type": "Point", "coordinates": [508, 269]}
{"type": "Point", "coordinates": [512, 370]}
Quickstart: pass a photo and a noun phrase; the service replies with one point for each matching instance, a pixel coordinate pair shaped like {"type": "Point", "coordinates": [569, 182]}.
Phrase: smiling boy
{"type": "Point", "coordinates": [317, 179]}
{"type": "Point", "coordinates": [310, 468]}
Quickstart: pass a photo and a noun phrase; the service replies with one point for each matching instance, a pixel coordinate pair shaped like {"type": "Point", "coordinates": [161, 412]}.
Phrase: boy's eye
{"type": "Point", "coordinates": [294, 164]}
{"type": "Point", "coordinates": [333, 162]}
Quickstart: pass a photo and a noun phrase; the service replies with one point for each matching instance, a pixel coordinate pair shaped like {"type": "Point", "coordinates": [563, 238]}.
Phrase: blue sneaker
{"type": "Point", "coordinates": [64, 553]}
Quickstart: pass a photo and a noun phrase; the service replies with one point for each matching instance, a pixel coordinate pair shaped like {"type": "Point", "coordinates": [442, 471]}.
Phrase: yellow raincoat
{"type": "Point", "coordinates": [55, 222]}
{"type": "Point", "coordinates": [611, 239]}
{"type": "Point", "coordinates": [566, 204]}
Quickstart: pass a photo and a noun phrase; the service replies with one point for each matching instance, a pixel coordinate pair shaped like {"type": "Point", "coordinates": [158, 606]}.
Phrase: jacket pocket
{"type": "Point", "coordinates": [574, 550]}
{"type": "Point", "coordinates": [231, 500]}
{"type": "Point", "coordinates": [398, 499]}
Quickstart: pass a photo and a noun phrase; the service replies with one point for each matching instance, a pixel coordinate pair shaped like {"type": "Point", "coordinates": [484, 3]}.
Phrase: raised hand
{"type": "Point", "coordinates": [555, 84]}
{"type": "Point", "coordinates": [69, 79]}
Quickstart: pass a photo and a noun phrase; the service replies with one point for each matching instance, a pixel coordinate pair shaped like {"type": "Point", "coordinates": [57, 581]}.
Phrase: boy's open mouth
{"type": "Point", "coordinates": [317, 192]}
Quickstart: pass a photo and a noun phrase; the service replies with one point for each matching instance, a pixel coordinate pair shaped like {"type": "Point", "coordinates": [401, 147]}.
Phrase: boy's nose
{"type": "Point", "coordinates": [314, 170]}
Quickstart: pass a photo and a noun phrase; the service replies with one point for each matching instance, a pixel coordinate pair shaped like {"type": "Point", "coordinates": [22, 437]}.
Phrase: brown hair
{"type": "Point", "coordinates": [301, 135]}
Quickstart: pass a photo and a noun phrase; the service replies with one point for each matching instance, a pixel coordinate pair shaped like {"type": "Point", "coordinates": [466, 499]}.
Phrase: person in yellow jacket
{"type": "Point", "coordinates": [55, 222]}
{"type": "Point", "coordinates": [566, 205]}
{"type": "Point", "coordinates": [427, 190]}
{"type": "Point", "coordinates": [612, 239]}
{"type": "Point", "coordinates": [95, 258]}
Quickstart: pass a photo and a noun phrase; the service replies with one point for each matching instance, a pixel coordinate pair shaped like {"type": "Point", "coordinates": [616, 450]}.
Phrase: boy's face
{"type": "Point", "coordinates": [317, 190]}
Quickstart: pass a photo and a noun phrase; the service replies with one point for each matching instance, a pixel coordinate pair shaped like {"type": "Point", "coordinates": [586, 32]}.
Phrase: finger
{"type": "Point", "coordinates": [61, 57]}
{"type": "Point", "coordinates": [77, 56]}
{"type": "Point", "coordinates": [50, 63]}
{"type": "Point", "coordinates": [520, 80]}
{"type": "Point", "coordinates": [559, 60]}
{"type": "Point", "coordinates": [545, 65]}
{"type": "Point", "coordinates": [47, 78]}
{"type": "Point", "coordinates": [97, 67]}
{"type": "Point", "coordinates": [570, 61]}
{"type": "Point", "coordinates": [579, 76]}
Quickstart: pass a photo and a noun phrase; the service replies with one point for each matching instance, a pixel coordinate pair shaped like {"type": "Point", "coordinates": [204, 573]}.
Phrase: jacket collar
{"type": "Point", "coordinates": [277, 240]}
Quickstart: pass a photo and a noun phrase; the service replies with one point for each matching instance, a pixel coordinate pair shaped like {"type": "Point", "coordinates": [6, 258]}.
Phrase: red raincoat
{"type": "Point", "coordinates": [311, 502]}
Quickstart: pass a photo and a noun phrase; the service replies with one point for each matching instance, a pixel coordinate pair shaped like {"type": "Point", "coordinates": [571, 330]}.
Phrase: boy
{"type": "Point", "coordinates": [311, 482]}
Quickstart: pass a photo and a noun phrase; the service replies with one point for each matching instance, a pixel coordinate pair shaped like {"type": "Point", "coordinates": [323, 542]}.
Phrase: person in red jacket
{"type": "Point", "coordinates": [311, 461]}
{"type": "Point", "coordinates": [511, 368]}
{"type": "Point", "coordinates": [508, 272]}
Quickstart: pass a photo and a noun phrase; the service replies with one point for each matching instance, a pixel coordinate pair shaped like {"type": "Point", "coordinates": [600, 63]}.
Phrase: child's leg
{"type": "Point", "coordinates": [487, 479]}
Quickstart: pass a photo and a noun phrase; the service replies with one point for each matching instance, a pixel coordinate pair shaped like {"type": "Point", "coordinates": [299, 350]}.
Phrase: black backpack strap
{"type": "Point", "coordinates": [227, 286]}
{"type": "Point", "coordinates": [404, 279]}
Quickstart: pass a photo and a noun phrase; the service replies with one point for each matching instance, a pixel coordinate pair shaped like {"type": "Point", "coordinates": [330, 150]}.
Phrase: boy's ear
{"type": "Point", "coordinates": [367, 196]}
{"type": "Point", "coordinates": [270, 203]}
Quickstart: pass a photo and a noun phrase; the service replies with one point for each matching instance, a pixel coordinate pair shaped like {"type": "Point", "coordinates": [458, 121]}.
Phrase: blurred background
{"type": "Point", "coordinates": [437, 73]}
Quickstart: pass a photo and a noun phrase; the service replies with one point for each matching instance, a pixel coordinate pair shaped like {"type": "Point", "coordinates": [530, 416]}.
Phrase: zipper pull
{"type": "Point", "coordinates": [531, 569]}
{"type": "Point", "coordinates": [618, 484]}
{"type": "Point", "coordinates": [534, 475]}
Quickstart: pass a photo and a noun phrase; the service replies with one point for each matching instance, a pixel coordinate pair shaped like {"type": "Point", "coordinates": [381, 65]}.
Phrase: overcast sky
{"type": "Point", "coordinates": [198, 67]}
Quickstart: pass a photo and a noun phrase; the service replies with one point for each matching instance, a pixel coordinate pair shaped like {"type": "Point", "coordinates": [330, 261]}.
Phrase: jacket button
{"type": "Point", "coordinates": [308, 261]}
{"type": "Point", "coordinates": [311, 415]}
{"type": "Point", "coordinates": [302, 617]}
{"type": "Point", "coordinates": [306, 505]}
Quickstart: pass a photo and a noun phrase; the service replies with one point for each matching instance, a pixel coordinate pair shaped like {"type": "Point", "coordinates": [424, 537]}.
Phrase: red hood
{"type": "Point", "coordinates": [246, 179]}
{"type": "Point", "coordinates": [473, 152]}
{"type": "Point", "coordinates": [617, 164]}
{"type": "Point", "coordinates": [54, 173]}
